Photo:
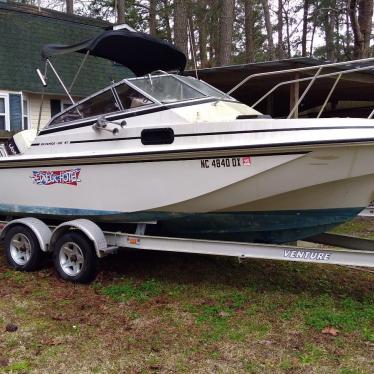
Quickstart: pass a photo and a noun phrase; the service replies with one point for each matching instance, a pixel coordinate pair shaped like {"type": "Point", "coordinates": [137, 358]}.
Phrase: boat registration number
{"type": "Point", "coordinates": [229, 162]}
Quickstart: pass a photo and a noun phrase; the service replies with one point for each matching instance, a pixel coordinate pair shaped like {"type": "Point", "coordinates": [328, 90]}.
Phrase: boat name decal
{"type": "Point", "coordinates": [307, 255]}
{"type": "Point", "coordinates": [225, 162]}
{"type": "Point", "coordinates": [46, 178]}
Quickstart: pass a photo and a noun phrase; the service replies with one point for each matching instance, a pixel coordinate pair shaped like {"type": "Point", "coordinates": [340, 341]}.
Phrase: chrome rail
{"type": "Point", "coordinates": [313, 78]}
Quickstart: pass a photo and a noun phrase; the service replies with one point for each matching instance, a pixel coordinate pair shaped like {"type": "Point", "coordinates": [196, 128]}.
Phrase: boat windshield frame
{"type": "Point", "coordinates": [129, 83]}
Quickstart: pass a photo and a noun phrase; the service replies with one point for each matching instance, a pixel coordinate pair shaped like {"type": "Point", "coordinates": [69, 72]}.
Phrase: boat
{"type": "Point", "coordinates": [188, 160]}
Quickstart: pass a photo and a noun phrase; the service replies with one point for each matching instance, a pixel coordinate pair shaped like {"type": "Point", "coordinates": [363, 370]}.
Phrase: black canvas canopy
{"type": "Point", "coordinates": [139, 52]}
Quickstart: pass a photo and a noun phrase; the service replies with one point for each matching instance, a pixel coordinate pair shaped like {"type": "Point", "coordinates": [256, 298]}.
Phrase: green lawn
{"type": "Point", "coordinates": [174, 313]}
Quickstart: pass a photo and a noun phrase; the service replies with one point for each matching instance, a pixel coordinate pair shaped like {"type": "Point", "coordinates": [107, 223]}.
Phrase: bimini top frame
{"type": "Point", "coordinates": [125, 46]}
{"type": "Point", "coordinates": [312, 79]}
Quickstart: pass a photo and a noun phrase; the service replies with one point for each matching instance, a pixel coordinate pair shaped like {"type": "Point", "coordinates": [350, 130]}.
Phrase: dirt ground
{"type": "Point", "coordinates": [175, 313]}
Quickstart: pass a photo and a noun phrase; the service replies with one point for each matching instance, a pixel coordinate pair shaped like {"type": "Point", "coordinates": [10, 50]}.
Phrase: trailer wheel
{"type": "Point", "coordinates": [75, 258]}
{"type": "Point", "coordinates": [22, 249]}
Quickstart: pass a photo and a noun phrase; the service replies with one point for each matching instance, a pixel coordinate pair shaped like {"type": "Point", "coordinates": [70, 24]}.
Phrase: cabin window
{"type": "Point", "coordinates": [130, 98]}
{"type": "Point", "coordinates": [70, 115]}
{"type": "Point", "coordinates": [166, 88]}
{"type": "Point", "coordinates": [103, 103]}
{"type": "Point", "coordinates": [97, 105]}
{"type": "Point", "coordinates": [58, 106]}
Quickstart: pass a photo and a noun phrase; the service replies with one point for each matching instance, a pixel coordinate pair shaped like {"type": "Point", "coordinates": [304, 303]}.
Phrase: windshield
{"type": "Point", "coordinates": [206, 88]}
{"type": "Point", "coordinates": [166, 88]}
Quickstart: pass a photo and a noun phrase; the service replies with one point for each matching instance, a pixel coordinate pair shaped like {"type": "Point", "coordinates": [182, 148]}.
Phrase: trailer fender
{"type": "Point", "coordinates": [39, 228]}
{"type": "Point", "coordinates": [92, 231]}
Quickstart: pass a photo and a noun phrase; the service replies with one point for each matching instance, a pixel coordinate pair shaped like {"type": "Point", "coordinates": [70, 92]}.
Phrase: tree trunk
{"type": "Point", "coordinates": [120, 11]}
{"type": "Point", "coordinates": [305, 28]}
{"type": "Point", "coordinates": [225, 31]}
{"type": "Point", "coordinates": [347, 46]}
{"type": "Point", "coordinates": [249, 31]}
{"type": "Point", "coordinates": [365, 17]}
{"type": "Point", "coordinates": [192, 40]}
{"type": "Point", "coordinates": [152, 17]}
{"type": "Point", "coordinates": [180, 25]}
{"type": "Point", "coordinates": [361, 26]}
{"type": "Point", "coordinates": [166, 20]}
{"type": "Point", "coordinates": [314, 23]}
{"type": "Point", "coordinates": [280, 30]}
{"type": "Point", "coordinates": [70, 6]}
{"type": "Point", "coordinates": [288, 34]}
{"type": "Point", "coordinates": [329, 22]}
{"type": "Point", "coordinates": [269, 31]}
{"type": "Point", "coordinates": [203, 34]}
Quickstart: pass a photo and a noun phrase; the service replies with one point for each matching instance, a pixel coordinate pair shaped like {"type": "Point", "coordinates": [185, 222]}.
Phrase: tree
{"type": "Point", "coordinates": [152, 17]}
{"type": "Point", "coordinates": [165, 12]}
{"type": "Point", "coordinates": [280, 29]}
{"type": "Point", "coordinates": [69, 7]}
{"type": "Point", "coordinates": [202, 18]}
{"type": "Point", "coordinates": [180, 25]}
{"type": "Point", "coordinates": [269, 30]}
{"type": "Point", "coordinates": [329, 23]}
{"type": "Point", "coordinates": [120, 11]}
{"type": "Point", "coordinates": [360, 14]}
{"type": "Point", "coordinates": [226, 28]}
{"type": "Point", "coordinates": [305, 28]}
{"type": "Point", "coordinates": [249, 30]}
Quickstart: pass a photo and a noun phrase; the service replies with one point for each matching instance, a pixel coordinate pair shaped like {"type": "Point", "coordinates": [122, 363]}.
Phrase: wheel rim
{"type": "Point", "coordinates": [20, 249]}
{"type": "Point", "coordinates": [71, 259]}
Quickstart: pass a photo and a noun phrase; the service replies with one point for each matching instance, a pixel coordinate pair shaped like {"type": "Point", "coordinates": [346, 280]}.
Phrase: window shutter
{"type": "Point", "coordinates": [15, 112]}
{"type": "Point", "coordinates": [55, 107]}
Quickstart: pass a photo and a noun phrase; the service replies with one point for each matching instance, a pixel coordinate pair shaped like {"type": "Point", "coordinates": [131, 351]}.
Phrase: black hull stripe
{"type": "Point", "coordinates": [110, 160]}
{"type": "Point", "coordinates": [124, 115]}
{"type": "Point", "coordinates": [168, 154]}
{"type": "Point", "coordinates": [224, 133]}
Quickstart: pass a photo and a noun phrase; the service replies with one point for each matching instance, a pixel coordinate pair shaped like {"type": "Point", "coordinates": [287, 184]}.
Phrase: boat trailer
{"type": "Point", "coordinates": [77, 245]}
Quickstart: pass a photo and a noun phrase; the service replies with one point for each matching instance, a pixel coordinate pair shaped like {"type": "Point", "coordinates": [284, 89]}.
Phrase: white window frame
{"type": "Point", "coordinates": [5, 96]}
{"type": "Point", "coordinates": [27, 115]}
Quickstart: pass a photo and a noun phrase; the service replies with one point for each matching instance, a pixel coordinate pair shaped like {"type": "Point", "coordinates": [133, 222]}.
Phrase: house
{"type": "Point", "coordinates": [24, 29]}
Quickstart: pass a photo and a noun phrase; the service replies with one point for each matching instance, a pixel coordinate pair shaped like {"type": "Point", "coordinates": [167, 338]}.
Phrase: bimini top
{"type": "Point", "coordinates": [139, 52]}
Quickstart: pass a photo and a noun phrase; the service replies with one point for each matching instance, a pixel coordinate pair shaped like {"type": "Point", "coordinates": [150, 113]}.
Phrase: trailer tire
{"type": "Point", "coordinates": [22, 248]}
{"type": "Point", "coordinates": [74, 258]}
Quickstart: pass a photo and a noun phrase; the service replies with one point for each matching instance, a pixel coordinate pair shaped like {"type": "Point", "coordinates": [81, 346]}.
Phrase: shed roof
{"type": "Point", "coordinates": [25, 29]}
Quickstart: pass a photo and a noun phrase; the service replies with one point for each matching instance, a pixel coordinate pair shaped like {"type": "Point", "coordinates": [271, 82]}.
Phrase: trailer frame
{"type": "Point", "coordinates": [346, 250]}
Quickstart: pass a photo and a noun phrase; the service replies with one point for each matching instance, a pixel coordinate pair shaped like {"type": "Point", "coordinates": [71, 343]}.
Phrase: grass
{"type": "Point", "coordinates": [174, 313]}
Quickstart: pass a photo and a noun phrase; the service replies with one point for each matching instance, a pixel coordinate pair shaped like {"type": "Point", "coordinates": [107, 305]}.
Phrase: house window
{"type": "Point", "coordinates": [11, 111]}
{"type": "Point", "coordinates": [25, 114]}
{"type": "Point", "coordinates": [2, 113]}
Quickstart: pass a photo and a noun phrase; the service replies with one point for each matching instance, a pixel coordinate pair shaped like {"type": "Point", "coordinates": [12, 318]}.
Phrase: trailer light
{"type": "Point", "coordinates": [133, 241]}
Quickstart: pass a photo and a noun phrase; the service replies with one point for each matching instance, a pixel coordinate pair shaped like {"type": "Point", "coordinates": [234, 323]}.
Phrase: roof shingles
{"type": "Point", "coordinates": [24, 31]}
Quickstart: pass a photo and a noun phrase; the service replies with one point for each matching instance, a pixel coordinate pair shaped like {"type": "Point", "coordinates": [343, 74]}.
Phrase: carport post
{"type": "Point", "coordinates": [294, 95]}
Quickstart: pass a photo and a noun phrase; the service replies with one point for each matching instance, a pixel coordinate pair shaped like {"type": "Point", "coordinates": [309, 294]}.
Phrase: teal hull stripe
{"type": "Point", "coordinates": [268, 227]}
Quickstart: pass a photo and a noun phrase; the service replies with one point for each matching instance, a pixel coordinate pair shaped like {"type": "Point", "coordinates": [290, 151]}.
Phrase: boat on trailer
{"type": "Point", "coordinates": [188, 160]}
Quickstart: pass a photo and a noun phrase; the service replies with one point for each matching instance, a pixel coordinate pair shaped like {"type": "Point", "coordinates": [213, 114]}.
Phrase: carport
{"type": "Point", "coordinates": [353, 94]}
